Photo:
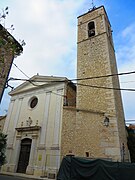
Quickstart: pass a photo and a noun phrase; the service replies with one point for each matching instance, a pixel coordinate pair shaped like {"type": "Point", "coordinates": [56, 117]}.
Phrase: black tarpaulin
{"type": "Point", "coordinates": [75, 168]}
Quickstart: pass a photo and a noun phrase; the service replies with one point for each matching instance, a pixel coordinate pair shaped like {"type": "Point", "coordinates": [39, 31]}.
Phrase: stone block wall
{"type": "Point", "coordinates": [84, 134]}
{"type": "Point", "coordinates": [96, 57]}
{"type": "Point", "coordinates": [6, 58]}
{"type": "Point", "coordinates": [68, 130]}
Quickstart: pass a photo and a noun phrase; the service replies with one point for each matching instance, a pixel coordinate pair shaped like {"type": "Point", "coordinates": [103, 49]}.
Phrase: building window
{"type": "Point", "coordinates": [33, 102]}
{"type": "Point", "coordinates": [91, 29]}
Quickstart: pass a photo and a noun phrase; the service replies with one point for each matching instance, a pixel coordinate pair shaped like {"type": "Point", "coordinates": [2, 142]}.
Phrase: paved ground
{"type": "Point", "coordinates": [4, 177]}
{"type": "Point", "coordinates": [19, 176]}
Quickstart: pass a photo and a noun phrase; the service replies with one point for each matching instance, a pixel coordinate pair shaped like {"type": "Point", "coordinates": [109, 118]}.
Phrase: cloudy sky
{"type": "Point", "coordinates": [49, 28]}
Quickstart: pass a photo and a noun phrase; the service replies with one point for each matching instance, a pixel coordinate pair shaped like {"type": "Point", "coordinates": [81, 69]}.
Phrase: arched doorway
{"type": "Point", "coordinates": [24, 155]}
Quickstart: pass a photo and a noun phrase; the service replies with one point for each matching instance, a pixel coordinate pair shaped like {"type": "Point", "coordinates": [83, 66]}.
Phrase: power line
{"type": "Point", "coordinates": [22, 73]}
{"type": "Point", "coordinates": [20, 70]}
{"type": "Point", "coordinates": [130, 120]}
{"type": "Point", "coordinates": [18, 79]}
{"type": "Point", "coordinates": [104, 76]}
{"type": "Point", "coordinates": [93, 77]}
{"type": "Point", "coordinates": [129, 123]}
{"type": "Point", "coordinates": [33, 81]}
{"type": "Point", "coordinates": [77, 79]}
{"type": "Point", "coordinates": [127, 82]}
{"type": "Point", "coordinates": [80, 84]}
{"type": "Point", "coordinates": [92, 86]}
{"type": "Point", "coordinates": [102, 87]}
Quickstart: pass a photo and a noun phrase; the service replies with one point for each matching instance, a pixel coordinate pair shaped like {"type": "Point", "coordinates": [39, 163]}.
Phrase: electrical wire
{"type": "Point", "coordinates": [130, 120]}
{"type": "Point", "coordinates": [78, 79]}
{"type": "Point", "coordinates": [23, 74]}
{"type": "Point", "coordinates": [127, 82]}
{"type": "Point", "coordinates": [102, 87]}
{"type": "Point", "coordinates": [80, 84]}
{"type": "Point", "coordinates": [130, 123]}
{"type": "Point", "coordinates": [18, 79]}
{"type": "Point", "coordinates": [58, 94]}
{"type": "Point", "coordinates": [20, 70]}
{"type": "Point", "coordinates": [104, 76]}
{"type": "Point", "coordinates": [33, 81]}
{"type": "Point", "coordinates": [92, 86]}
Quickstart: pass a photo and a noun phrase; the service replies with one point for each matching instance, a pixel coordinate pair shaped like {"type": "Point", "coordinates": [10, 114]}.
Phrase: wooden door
{"type": "Point", "coordinates": [24, 155]}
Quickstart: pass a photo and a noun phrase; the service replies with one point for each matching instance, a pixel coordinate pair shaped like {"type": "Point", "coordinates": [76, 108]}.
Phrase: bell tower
{"type": "Point", "coordinates": [100, 125]}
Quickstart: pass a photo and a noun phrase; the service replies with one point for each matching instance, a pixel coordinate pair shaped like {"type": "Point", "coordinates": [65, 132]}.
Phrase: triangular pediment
{"type": "Point", "coordinates": [37, 82]}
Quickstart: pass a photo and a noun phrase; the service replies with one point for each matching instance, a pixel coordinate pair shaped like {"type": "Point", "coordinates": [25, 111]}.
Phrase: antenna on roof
{"type": "Point", "coordinates": [93, 6]}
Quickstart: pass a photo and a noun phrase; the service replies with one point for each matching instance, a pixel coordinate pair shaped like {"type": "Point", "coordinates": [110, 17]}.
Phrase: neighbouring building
{"type": "Point", "coordinates": [9, 49]}
{"type": "Point", "coordinates": [34, 123]}
{"type": "Point", "coordinates": [49, 118]}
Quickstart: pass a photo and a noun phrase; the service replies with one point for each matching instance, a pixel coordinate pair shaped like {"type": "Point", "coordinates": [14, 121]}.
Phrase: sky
{"type": "Point", "coordinates": [49, 28]}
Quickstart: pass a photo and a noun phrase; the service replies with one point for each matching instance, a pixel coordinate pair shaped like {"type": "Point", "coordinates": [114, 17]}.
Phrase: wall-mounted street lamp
{"type": "Point", "coordinates": [106, 121]}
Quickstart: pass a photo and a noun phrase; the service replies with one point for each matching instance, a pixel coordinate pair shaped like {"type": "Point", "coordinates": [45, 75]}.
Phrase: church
{"type": "Point", "coordinates": [49, 116]}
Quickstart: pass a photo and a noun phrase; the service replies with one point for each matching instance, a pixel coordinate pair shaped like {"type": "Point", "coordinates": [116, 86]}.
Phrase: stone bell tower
{"type": "Point", "coordinates": [100, 126]}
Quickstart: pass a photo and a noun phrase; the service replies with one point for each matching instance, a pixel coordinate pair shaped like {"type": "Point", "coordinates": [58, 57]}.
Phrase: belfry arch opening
{"type": "Point", "coordinates": [91, 29]}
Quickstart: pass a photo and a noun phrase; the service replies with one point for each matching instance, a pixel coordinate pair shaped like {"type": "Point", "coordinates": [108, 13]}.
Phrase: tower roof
{"type": "Point", "coordinates": [94, 9]}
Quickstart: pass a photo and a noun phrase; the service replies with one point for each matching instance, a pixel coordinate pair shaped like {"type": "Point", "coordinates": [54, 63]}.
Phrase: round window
{"type": "Point", "coordinates": [33, 102]}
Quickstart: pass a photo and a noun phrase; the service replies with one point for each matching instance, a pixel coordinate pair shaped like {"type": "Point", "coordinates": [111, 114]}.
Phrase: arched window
{"type": "Point", "coordinates": [91, 29]}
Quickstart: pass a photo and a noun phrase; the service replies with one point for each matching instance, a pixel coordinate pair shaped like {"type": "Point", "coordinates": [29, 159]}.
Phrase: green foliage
{"type": "Point", "coordinates": [3, 144]}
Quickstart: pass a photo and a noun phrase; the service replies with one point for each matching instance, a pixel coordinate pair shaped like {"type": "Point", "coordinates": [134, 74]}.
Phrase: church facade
{"type": "Point", "coordinates": [49, 118]}
{"type": "Point", "coordinates": [33, 125]}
